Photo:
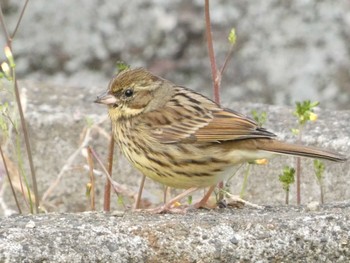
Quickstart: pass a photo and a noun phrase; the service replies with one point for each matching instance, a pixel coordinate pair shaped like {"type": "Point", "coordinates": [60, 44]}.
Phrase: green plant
{"type": "Point", "coordinates": [287, 178]}
{"type": "Point", "coordinates": [304, 112]}
{"type": "Point", "coordinates": [9, 73]}
{"type": "Point", "coordinates": [121, 66]}
{"type": "Point", "coordinates": [260, 118]}
{"type": "Point", "coordinates": [319, 168]}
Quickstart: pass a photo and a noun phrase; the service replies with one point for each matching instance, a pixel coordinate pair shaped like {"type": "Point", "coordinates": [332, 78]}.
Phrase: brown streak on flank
{"type": "Point", "coordinates": [193, 174]}
{"type": "Point", "coordinates": [190, 99]}
{"type": "Point", "coordinates": [205, 145]}
{"type": "Point", "coordinates": [138, 145]}
{"type": "Point", "coordinates": [198, 109]}
{"type": "Point", "coordinates": [183, 149]}
{"type": "Point", "coordinates": [158, 161]}
{"type": "Point", "coordinates": [186, 162]}
{"type": "Point", "coordinates": [201, 120]}
{"type": "Point", "coordinates": [168, 155]}
{"type": "Point", "coordinates": [162, 120]}
{"type": "Point", "coordinates": [151, 169]}
{"type": "Point", "coordinates": [216, 160]}
{"type": "Point", "coordinates": [175, 102]}
{"type": "Point", "coordinates": [217, 170]}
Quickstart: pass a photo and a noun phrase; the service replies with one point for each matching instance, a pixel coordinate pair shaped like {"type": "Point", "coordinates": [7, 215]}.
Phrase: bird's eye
{"type": "Point", "coordinates": [128, 93]}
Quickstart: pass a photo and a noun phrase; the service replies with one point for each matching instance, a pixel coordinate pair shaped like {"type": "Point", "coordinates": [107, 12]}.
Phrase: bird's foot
{"type": "Point", "coordinates": [236, 202]}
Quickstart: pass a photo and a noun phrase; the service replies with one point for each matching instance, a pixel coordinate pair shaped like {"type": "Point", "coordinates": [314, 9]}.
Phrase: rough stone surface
{"type": "Point", "coordinates": [271, 234]}
{"type": "Point", "coordinates": [286, 51]}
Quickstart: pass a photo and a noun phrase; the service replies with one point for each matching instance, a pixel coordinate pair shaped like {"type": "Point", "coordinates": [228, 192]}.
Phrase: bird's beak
{"type": "Point", "coordinates": [106, 98]}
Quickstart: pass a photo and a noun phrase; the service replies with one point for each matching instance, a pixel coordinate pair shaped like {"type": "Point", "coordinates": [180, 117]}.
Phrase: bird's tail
{"type": "Point", "coordinates": [299, 150]}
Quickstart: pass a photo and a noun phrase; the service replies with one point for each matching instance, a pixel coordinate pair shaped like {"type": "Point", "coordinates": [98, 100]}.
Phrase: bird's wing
{"type": "Point", "coordinates": [191, 117]}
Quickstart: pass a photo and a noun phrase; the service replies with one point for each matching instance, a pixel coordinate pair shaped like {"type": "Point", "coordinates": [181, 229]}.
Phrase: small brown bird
{"type": "Point", "coordinates": [181, 138]}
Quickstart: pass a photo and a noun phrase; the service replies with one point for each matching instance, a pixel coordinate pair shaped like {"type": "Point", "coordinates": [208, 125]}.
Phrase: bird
{"type": "Point", "coordinates": [182, 139]}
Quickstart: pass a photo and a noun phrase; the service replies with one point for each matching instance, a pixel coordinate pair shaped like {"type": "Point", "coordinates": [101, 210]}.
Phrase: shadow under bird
{"type": "Point", "coordinates": [183, 139]}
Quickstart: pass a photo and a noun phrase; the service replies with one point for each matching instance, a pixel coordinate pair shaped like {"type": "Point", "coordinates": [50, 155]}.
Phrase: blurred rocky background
{"type": "Point", "coordinates": [286, 51]}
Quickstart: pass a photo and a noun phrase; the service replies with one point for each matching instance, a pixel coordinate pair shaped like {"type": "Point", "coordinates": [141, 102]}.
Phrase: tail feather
{"type": "Point", "coordinates": [300, 150]}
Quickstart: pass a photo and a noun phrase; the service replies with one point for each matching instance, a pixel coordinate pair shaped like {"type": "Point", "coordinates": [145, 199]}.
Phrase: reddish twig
{"type": "Point", "coordinates": [92, 178]}
{"type": "Point", "coordinates": [19, 19]}
{"type": "Point", "coordinates": [298, 171]}
{"type": "Point", "coordinates": [107, 193]}
{"type": "Point", "coordinates": [4, 28]}
{"type": "Point", "coordinates": [106, 172]}
{"type": "Point", "coordinates": [214, 72]}
{"type": "Point", "coordinates": [227, 59]}
{"type": "Point", "coordinates": [216, 76]}
{"type": "Point", "coordinates": [139, 193]}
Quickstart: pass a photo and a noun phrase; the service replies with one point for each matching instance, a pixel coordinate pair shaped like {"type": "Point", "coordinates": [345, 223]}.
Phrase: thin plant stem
{"type": "Point", "coordinates": [227, 59]}
{"type": "Point", "coordinates": [10, 181]}
{"type": "Point", "coordinates": [9, 38]}
{"type": "Point", "coordinates": [298, 170]}
{"type": "Point", "coordinates": [106, 172]}
{"type": "Point", "coordinates": [92, 178]}
{"type": "Point", "coordinates": [19, 19]}
{"type": "Point", "coordinates": [287, 196]}
{"type": "Point", "coordinates": [321, 192]}
{"type": "Point", "coordinates": [107, 193]}
{"type": "Point", "coordinates": [28, 202]}
{"type": "Point", "coordinates": [139, 193]}
{"type": "Point", "coordinates": [214, 72]}
{"type": "Point", "coordinates": [4, 28]}
{"type": "Point", "coordinates": [19, 105]}
{"type": "Point", "coordinates": [216, 75]}
{"type": "Point", "coordinates": [28, 147]}
{"type": "Point", "coordinates": [245, 181]}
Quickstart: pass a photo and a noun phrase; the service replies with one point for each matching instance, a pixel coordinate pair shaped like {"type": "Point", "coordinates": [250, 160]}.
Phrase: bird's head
{"type": "Point", "coordinates": [132, 92]}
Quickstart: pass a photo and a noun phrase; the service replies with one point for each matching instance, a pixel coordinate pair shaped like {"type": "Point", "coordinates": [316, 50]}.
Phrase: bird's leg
{"type": "Point", "coordinates": [167, 207]}
{"type": "Point", "coordinates": [237, 202]}
{"type": "Point", "coordinates": [203, 202]}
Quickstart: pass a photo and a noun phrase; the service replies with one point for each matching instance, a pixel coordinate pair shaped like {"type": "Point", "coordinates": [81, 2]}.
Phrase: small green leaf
{"type": "Point", "coordinates": [189, 199]}
{"type": "Point", "coordinates": [260, 118]}
{"type": "Point", "coordinates": [120, 200]}
{"type": "Point", "coordinates": [6, 71]}
{"type": "Point", "coordinates": [89, 121]}
{"type": "Point", "coordinates": [295, 131]}
{"type": "Point", "coordinates": [287, 177]}
{"type": "Point", "coordinates": [9, 56]}
{"type": "Point", "coordinates": [232, 36]}
{"type": "Point", "coordinates": [304, 111]}
{"type": "Point", "coordinates": [314, 104]}
{"type": "Point", "coordinates": [319, 168]}
{"type": "Point", "coordinates": [121, 66]}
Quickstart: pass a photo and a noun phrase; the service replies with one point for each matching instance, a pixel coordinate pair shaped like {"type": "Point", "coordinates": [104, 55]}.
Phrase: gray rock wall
{"type": "Point", "coordinates": [286, 51]}
{"type": "Point", "coordinates": [280, 234]}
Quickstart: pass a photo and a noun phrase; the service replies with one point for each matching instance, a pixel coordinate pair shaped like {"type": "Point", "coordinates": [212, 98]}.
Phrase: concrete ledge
{"type": "Point", "coordinates": [273, 234]}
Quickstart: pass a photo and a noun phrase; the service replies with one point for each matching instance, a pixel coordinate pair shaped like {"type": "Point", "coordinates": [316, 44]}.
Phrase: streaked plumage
{"type": "Point", "coordinates": [181, 138]}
